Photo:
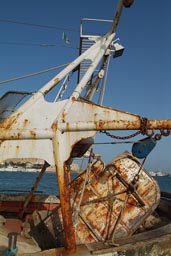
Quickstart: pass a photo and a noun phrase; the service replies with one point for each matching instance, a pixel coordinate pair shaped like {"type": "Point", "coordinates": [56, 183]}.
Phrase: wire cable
{"type": "Point", "coordinates": [37, 25]}
{"type": "Point", "coordinates": [40, 45]}
{"type": "Point", "coordinates": [33, 74]}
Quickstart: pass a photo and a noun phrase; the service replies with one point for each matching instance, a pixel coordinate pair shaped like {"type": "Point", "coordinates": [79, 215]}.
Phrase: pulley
{"type": "Point", "coordinates": [142, 148]}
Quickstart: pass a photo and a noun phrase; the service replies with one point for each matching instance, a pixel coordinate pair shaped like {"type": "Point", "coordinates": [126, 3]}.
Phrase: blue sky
{"type": "Point", "coordinates": [138, 82]}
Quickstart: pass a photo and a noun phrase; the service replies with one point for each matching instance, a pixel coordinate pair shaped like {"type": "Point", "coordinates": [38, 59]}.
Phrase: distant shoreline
{"type": "Point", "coordinates": [22, 169]}
{"type": "Point", "coordinates": [160, 174]}
{"type": "Point", "coordinates": [51, 169]}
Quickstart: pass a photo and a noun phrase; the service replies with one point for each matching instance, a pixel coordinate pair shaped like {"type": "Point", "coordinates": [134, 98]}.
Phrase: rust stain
{"type": "Point", "coordinates": [66, 209]}
{"type": "Point", "coordinates": [67, 126]}
{"type": "Point", "coordinates": [33, 134]}
{"type": "Point", "coordinates": [55, 82]}
{"type": "Point", "coordinates": [63, 115]}
{"type": "Point", "coordinates": [19, 134]}
{"type": "Point", "coordinates": [54, 126]}
{"type": "Point", "coordinates": [17, 150]}
{"type": "Point", "coordinates": [100, 124]}
{"type": "Point", "coordinates": [25, 123]}
{"type": "Point", "coordinates": [9, 122]}
{"type": "Point", "coordinates": [73, 99]}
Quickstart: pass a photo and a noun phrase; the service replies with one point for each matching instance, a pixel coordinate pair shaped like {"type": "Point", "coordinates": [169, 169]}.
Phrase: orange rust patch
{"type": "Point", "coordinates": [63, 116]}
{"type": "Point", "coordinates": [100, 124]}
{"type": "Point", "coordinates": [8, 122]}
{"type": "Point", "coordinates": [19, 135]}
{"type": "Point", "coordinates": [54, 126]}
{"type": "Point", "coordinates": [25, 122]}
{"type": "Point", "coordinates": [73, 98]}
{"type": "Point", "coordinates": [33, 134]}
{"type": "Point", "coordinates": [56, 80]}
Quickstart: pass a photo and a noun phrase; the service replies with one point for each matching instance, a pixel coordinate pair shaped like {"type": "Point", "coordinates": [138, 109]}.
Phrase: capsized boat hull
{"type": "Point", "coordinates": [113, 201]}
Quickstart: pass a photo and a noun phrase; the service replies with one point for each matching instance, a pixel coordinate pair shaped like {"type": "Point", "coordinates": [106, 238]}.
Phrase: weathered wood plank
{"type": "Point", "coordinates": [135, 241]}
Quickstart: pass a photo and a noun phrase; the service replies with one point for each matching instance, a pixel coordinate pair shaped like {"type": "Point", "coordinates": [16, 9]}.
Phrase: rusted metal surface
{"type": "Point", "coordinates": [61, 155]}
{"type": "Point", "coordinates": [69, 231]}
{"type": "Point", "coordinates": [92, 117]}
{"type": "Point", "coordinates": [114, 203]}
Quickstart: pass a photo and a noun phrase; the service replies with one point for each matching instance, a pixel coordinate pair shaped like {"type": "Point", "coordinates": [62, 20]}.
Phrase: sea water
{"type": "Point", "coordinates": [23, 182]}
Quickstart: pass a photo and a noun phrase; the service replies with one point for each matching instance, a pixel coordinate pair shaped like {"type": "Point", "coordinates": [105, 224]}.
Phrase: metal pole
{"type": "Point", "coordinates": [12, 242]}
{"type": "Point", "coordinates": [102, 91]}
{"type": "Point", "coordinates": [69, 232]}
{"type": "Point", "coordinates": [116, 17]}
{"type": "Point", "coordinates": [114, 125]}
{"type": "Point", "coordinates": [29, 197]}
{"type": "Point", "coordinates": [60, 156]}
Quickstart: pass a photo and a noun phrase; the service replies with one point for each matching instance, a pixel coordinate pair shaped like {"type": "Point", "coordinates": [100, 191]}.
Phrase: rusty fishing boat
{"type": "Point", "coordinates": [108, 209]}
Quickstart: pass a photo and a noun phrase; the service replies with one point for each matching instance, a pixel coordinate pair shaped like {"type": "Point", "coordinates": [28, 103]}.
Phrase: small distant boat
{"type": "Point", "coordinates": [108, 209]}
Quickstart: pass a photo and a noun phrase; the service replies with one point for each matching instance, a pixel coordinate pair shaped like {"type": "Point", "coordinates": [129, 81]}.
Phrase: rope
{"type": "Point", "coordinates": [77, 209]}
{"type": "Point", "coordinates": [136, 177]}
{"type": "Point", "coordinates": [133, 182]}
{"type": "Point", "coordinates": [118, 219]}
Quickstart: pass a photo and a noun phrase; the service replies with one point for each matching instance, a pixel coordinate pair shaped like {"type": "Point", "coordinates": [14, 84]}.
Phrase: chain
{"type": "Point", "coordinates": [143, 125]}
{"type": "Point", "coordinates": [163, 132]}
{"type": "Point", "coordinates": [120, 137]}
{"type": "Point", "coordinates": [143, 130]}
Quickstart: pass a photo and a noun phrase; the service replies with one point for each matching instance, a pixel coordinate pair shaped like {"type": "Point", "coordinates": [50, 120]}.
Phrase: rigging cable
{"type": "Point", "coordinates": [40, 45]}
{"type": "Point", "coordinates": [33, 74]}
{"type": "Point", "coordinates": [37, 25]}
